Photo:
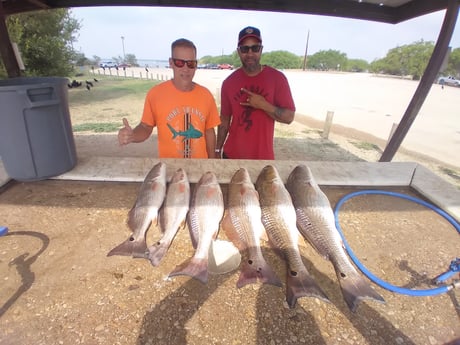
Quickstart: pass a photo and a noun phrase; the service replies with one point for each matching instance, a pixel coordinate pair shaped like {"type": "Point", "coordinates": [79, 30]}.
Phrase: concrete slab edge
{"type": "Point", "coordinates": [438, 191]}
{"type": "Point", "coordinates": [134, 169]}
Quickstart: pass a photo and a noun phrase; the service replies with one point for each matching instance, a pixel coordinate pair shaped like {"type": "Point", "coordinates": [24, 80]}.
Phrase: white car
{"type": "Point", "coordinates": [449, 81]}
{"type": "Point", "coordinates": [108, 64]}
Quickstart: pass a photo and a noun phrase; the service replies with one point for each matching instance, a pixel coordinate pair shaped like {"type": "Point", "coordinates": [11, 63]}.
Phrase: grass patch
{"type": "Point", "coordinates": [281, 133]}
{"type": "Point", "coordinates": [309, 131]}
{"type": "Point", "coordinates": [329, 144]}
{"type": "Point", "coordinates": [365, 146]}
{"type": "Point", "coordinates": [97, 127]}
{"type": "Point", "coordinates": [107, 89]}
{"type": "Point", "coordinates": [452, 173]}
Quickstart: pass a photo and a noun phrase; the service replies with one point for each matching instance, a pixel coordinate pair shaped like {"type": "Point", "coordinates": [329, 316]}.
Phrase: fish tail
{"type": "Point", "coordinates": [257, 270]}
{"type": "Point", "coordinates": [173, 131]}
{"type": "Point", "coordinates": [300, 284]}
{"type": "Point", "coordinates": [156, 253]}
{"type": "Point", "coordinates": [195, 268]}
{"type": "Point", "coordinates": [130, 247]}
{"type": "Point", "coordinates": [355, 289]}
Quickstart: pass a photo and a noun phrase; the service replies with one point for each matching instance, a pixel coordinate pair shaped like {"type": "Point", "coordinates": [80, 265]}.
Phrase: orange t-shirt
{"type": "Point", "coordinates": [181, 119]}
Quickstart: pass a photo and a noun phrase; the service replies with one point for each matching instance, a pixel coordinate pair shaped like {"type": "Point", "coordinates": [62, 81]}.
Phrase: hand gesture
{"type": "Point", "coordinates": [253, 100]}
{"type": "Point", "coordinates": [125, 134]}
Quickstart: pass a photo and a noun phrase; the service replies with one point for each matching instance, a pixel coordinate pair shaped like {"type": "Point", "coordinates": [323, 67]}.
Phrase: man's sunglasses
{"type": "Point", "coordinates": [181, 63]}
{"type": "Point", "coordinates": [245, 49]}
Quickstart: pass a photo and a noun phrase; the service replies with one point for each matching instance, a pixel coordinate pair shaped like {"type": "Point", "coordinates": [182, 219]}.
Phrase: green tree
{"type": "Point", "coordinates": [45, 41]}
{"type": "Point", "coordinates": [453, 64]}
{"type": "Point", "coordinates": [281, 59]}
{"type": "Point", "coordinates": [131, 59]}
{"type": "Point", "coordinates": [410, 59]}
{"type": "Point", "coordinates": [81, 60]}
{"type": "Point", "coordinates": [357, 65]}
{"type": "Point", "coordinates": [328, 60]}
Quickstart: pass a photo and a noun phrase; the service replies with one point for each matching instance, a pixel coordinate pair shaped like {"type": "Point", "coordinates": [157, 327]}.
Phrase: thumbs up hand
{"type": "Point", "coordinates": [125, 134]}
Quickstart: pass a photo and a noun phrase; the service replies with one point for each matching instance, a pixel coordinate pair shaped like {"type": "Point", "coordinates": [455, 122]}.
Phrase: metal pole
{"type": "Point", "coordinates": [123, 44]}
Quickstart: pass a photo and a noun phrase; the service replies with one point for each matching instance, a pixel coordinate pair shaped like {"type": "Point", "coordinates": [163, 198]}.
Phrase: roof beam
{"type": "Point", "coordinates": [374, 10]}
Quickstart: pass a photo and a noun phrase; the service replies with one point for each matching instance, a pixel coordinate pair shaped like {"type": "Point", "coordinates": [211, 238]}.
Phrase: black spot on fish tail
{"type": "Point", "coordinates": [130, 247]}
{"type": "Point", "coordinates": [355, 289]}
{"type": "Point", "coordinates": [299, 285]}
{"type": "Point", "coordinates": [252, 271]}
{"type": "Point", "coordinates": [195, 268]}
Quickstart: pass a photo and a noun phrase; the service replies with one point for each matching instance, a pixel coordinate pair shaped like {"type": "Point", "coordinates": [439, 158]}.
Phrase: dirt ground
{"type": "Point", "coordinates": [59, 287]}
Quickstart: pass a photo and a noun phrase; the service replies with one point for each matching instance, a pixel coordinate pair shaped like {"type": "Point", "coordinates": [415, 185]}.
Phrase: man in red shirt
{"type": "Point", "coordinates": [252, 98]}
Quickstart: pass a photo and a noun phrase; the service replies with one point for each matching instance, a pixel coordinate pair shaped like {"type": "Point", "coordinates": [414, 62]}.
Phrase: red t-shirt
{"type": "Point", "coordinates": [181, 119]}
{"type": "Point", "coordinates": [251, 131]}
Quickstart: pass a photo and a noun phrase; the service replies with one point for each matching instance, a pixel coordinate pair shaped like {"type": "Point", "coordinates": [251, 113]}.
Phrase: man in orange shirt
{"type": "Point", "coordinates": [184, 112]}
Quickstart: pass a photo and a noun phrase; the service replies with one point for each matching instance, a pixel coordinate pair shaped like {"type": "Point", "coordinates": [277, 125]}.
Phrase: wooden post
{"type": "Point", "coordinates": [392, 131]}
{"type": "Point", "coordinates": [327, 125]}
{"type": "Point", "coordinates": [6, 48]}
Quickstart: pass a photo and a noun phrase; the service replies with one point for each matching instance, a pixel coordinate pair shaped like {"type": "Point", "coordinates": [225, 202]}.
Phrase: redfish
{"type": "Point", "coordinates": [172, 215]}
{"type": "Point", "coordinates": [243, 225]}
{"type": "Point", "coordinates": [203, 220]}
{"type": "Point", "coordinates": [144, 213]}
{"type": "Point", "coordinates": [279, 219]}
{"type": "Point", "coordinates": [316, 223]}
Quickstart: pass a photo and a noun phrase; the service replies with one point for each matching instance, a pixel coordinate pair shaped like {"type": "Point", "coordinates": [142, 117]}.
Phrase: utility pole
{"type": "Point", "coordinates": [123, 44]}
{"type": "Point", "coordinates": [306, 50]}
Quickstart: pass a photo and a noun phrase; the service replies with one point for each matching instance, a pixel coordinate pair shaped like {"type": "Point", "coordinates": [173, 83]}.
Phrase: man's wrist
{"type": "Point", "coordinates": [278, 112]}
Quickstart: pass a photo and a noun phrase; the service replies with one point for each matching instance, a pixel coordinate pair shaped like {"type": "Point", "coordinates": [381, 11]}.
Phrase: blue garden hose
{"type": "Point", "coordinates": [3, 230]}
{"type": "Point", "coordinates": [453, 268]}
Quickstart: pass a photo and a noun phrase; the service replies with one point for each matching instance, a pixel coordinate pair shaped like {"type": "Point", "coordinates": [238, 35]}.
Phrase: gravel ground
{"type": "Point", "coordinates": [58, 286]}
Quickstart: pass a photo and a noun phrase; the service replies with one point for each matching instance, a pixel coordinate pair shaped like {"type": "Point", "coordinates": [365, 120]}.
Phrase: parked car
{"type": "Point", "coordinates": [212, 66]}
{"type": "Point", "coordinates": [108, 64]}
{"type": "Point", "coordinates": [449, 80]}
{"type": "Point", "coordinates": [124, 65]}
{"type": "Point", "coordinates": [225, 66]}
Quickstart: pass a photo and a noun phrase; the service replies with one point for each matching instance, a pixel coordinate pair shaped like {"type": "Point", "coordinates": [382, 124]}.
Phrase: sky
{"type": "Point", "coordinates": [149, 31]}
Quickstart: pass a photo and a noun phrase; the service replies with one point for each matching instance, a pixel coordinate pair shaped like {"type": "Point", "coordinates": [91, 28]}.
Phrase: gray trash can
{"type": "Point", "coordinates": [36, 138]}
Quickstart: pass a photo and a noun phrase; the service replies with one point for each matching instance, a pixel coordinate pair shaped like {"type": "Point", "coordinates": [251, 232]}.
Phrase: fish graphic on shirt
{"type": "Point", "coordinates": [190, 133]}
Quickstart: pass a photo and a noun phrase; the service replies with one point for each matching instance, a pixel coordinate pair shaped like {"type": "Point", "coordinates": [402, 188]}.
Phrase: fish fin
{"type": "Point", "coordinates": [300, 284]}
{"type": "Point", "coordinates": [195, 268]}
{"type": "Point", "coordinates": [355, 289]}
{"type": "Point", "coordinates": [130, 247]}
{"type": "Point", "coordinates": [253, 271]}
{"type": "Point", "coordinates": [156, 252]}
{"type": "Point", "coordinates": [173, 131]}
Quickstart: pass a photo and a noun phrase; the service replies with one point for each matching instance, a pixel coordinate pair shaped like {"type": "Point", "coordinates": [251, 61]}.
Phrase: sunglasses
{"type": "Point", "coordinates": [181, 63]}
{"type": "Point", "coordinates": [245, 49]}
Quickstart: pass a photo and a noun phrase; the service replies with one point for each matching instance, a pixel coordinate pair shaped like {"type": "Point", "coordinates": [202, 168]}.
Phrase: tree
{"type": "Point", "coordinates": [281, 59]}
{"type": "Point", "coordinates": [328, 60]}
{"type": "Point", "coordinates": [410, 59]}
{"type": "Point", "coordinates": [453, 64]}
{"type": "Point", "coordinates": [45, 41]}
{"type": "Point", "coordinates": [357, 65]}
